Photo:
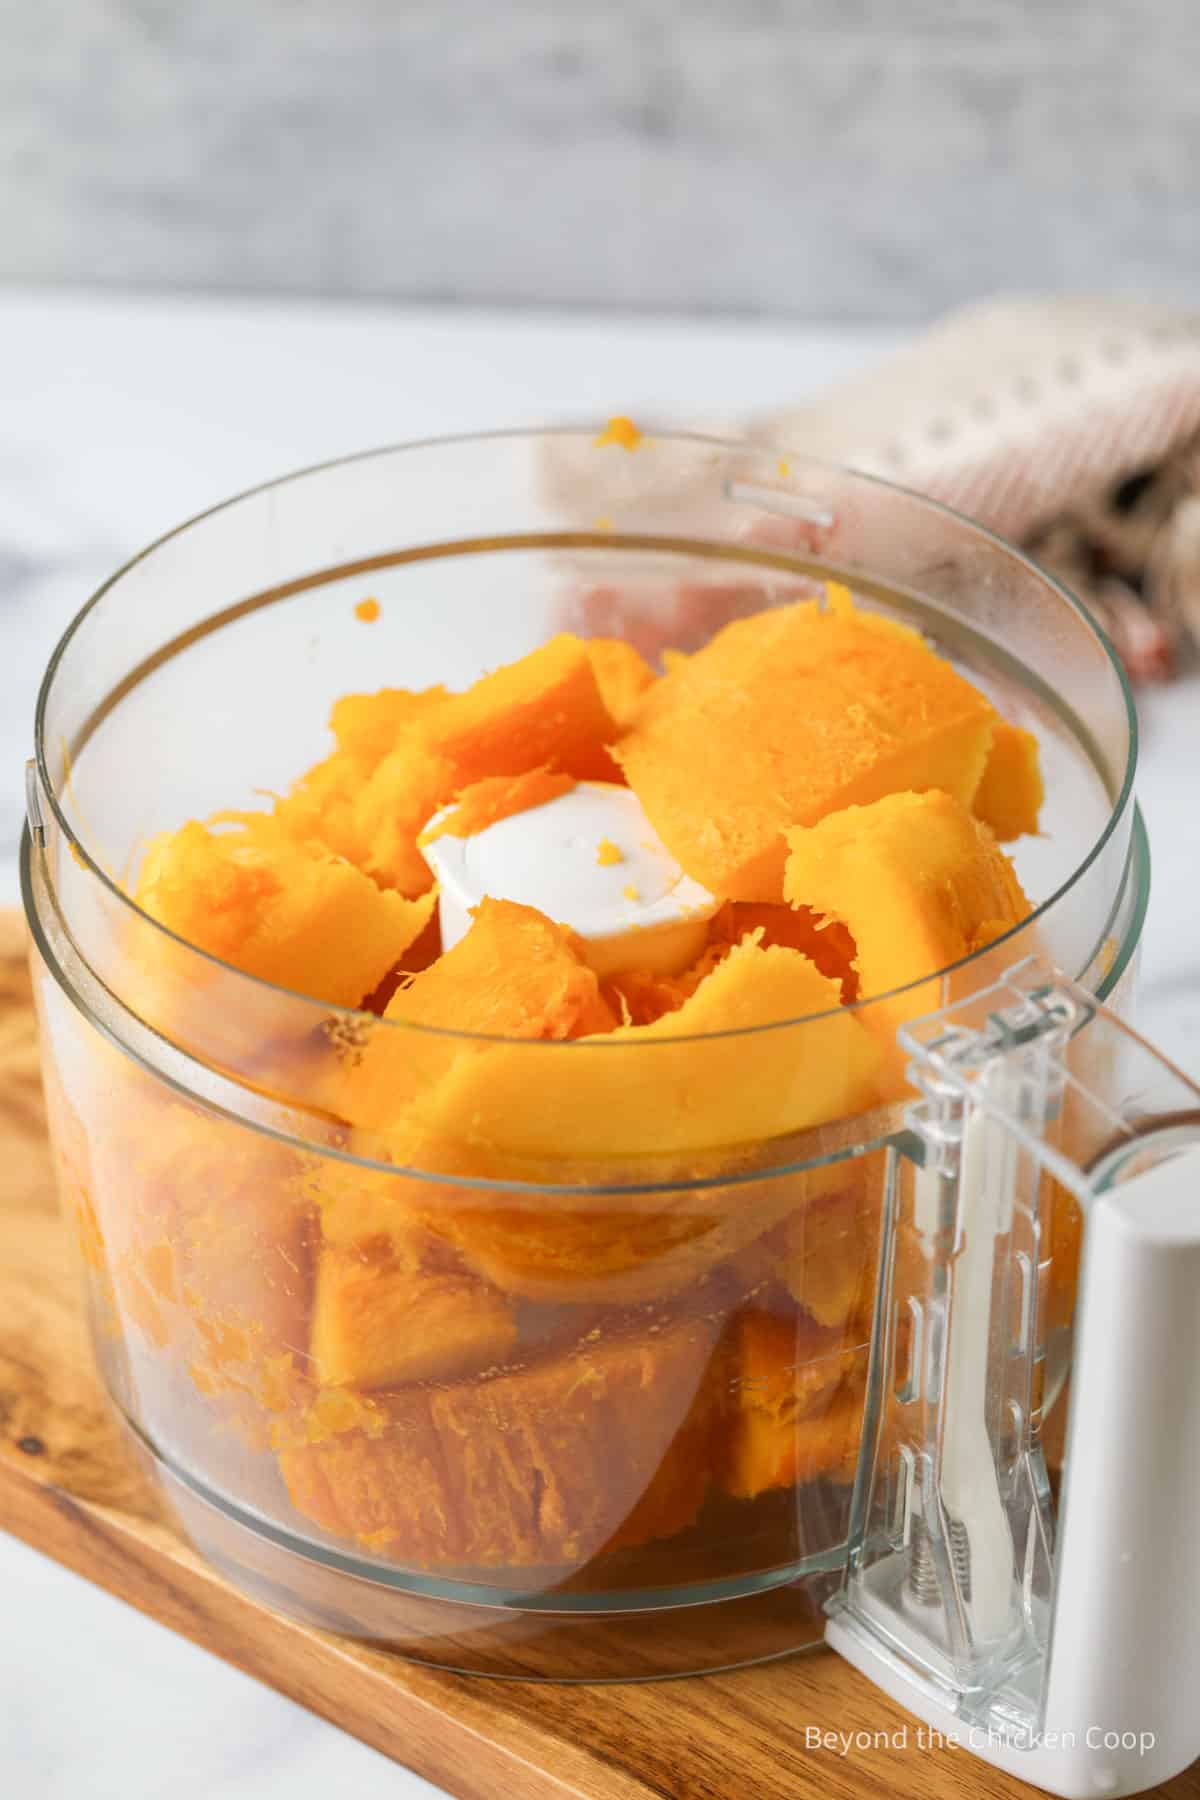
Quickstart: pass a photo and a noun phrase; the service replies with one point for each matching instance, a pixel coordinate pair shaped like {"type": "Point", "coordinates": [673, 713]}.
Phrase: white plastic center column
{"type": "Point", "coordinates": [589, 859]}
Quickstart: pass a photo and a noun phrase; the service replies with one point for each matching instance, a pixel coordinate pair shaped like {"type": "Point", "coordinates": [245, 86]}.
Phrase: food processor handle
{"type": "Point", "coordinates": [1064, 1650]}
{"type": "Point", "coordinates": [1122, 1706]}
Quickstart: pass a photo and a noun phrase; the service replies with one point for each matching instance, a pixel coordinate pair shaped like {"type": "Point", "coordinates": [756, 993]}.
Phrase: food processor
{"type": "Point", "coordinates": [964, 1446]}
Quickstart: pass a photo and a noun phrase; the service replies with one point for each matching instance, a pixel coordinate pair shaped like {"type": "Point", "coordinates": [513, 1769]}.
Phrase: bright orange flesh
{"type": "Point", "coordinates": [825, 942]}
{"type": "Point", "coordinates": [917, 882]}
{"type": "Point", "coordinates": [785, 717]}
{"type": "Point", "coordinates": [369, 725]}
{"type": "Point", "coordinates": [383, 1316]}
{"type": "Point", "coordinates": [1009, 797]}
{"type": "Point", "coordinates": [544, 712]}
{"type": "Point", "coordinates": [494, 798]}
{"type": "Point", "coordinates": [474, 1375]}
{"type": "Point", "coordinates": [514, 975]}
{"type": "Point", "coordinates": [543, 1466]}
{"type": "Point", "coordinates": [623, 675]}
{"type": "Point", "coordinates": [797, 1411]}
{"type": "Point", "coordinates": [290, 913]}
{"type": "Point", "coordinates": [644, 1090]}
{"type": "Point", "coordinates": [323, 803]}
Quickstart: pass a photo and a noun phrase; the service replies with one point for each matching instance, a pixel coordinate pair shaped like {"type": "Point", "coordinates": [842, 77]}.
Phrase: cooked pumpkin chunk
{"type": "Point", "coordinates": [700, 1077]}
{"type": "Point", "coordinates": [824, 941]}
{"type": "Point", "coordinates": [392, 809]}
{"type": "Point", "coordinates": [623, 674]}
{"type": "Point", "coordinates": [287, 912]}
{"type": "Point", "coordinates": [543, 712]}
{"type": "Point", "coordinates": [369, 725]}
{"type": "Point", "coordinates": [1009, 798]}
{"type": "Point", "coordinates": [515, 974]}
{"type": "Point", "coordinates": [794, 1408]}
{"type": "Point", "coordinates": [545, 1466]}
{"type": "Point", "coordinates": [640, 996]}
{"type": "Point", "coordinates": [207, 1240]}
{"type": "Point", "coordinates": [916, 880]}
{"type": "Point", "coordinates": [320, 807]}
{"type": "Point", "coordinates": [384, 1313]}
{"type": "Point", "coordinates": [789, 715]}
{"type": "Point", "coordinates": [354, 1203]}
{"type": "Point", "coordinates": [323, 803]}
{"type": "Point", "coordinates": [640, 1251]}
{"type": "Point", "coordinates": [832, 1248]}
{"type": "Point", "coordinates": [497, 797]}
{"type": "Point", "coordinates": [675, 1492]}
{"type": "Point", "coordinates": [565, 1253]}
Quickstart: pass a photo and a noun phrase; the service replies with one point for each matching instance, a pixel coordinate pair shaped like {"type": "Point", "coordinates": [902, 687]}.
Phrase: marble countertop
{"type": "Point", "coordinates": [122, 417]}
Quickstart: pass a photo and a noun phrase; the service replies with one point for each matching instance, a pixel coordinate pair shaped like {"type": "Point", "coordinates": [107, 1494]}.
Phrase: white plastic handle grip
{"type": "Point", "coordinates": [1123, 1688]}
{"type": "Point", "coordinates": [1122, 1692]}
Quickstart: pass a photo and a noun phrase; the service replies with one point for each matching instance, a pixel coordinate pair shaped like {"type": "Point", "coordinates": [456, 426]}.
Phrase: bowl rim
{"type": "Point", "coordinates": [573, 433]}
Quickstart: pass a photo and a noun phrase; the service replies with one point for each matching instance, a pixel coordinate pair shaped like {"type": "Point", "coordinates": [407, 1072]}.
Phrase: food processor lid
{"type": "Point", "coordinates": [1067, 1654]}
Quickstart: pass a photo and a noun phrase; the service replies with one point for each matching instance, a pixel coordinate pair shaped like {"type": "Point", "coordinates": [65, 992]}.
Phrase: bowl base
{"type": "Point", "coordinates": [501, 1641]}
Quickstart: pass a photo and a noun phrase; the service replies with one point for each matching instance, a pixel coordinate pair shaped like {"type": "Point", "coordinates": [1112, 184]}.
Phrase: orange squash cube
{"type": "Point", "coordinates": [497, 797]}
{"type": "Point", "coordinates": [544, 711]}
{"type": "Point", "coordinates": [794, 1406]}
{"type": "Point", "coordinates": [291, 913]}
{"type": "Point", "coordinates": [322, 803]}
{"type": "Point", "coordinates": [1009, 797]}
{"type": "Point", "coordinates": [623, 675]}
{"type": "Point", "coordinates": [515, 974]}
{"type": "Point", "coordinates": [628, 1255]}
{"type": "Point", "coordinates": [699, 1078]}
{"type": "Point", "coordinates": [789, 715]}
{"type": "Point", "coordinates": [564, 1251]}
{"type": "Point", "coordinates": [392, 808]}
{"type": "Point", "coordinates": [385, 1313]}
{"type": "Point", "coordinates": [824, 941]}
{"type": "Point", "coordinates": [918, 883]}
{"type": "Point", "coordinates": [831, 1250]}
{"type": "Point", "coordinates": [542, 1467]}
{"type": "Point", "coordinates": [369, 725]}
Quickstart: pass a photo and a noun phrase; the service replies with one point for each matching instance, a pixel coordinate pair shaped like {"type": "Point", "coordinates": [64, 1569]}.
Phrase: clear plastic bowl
{"type": "Point", "coordinates": [638, 1455]}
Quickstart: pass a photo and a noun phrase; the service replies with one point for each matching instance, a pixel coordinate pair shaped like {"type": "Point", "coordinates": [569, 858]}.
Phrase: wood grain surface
{"type": "Point", "coordinates": [69, 1486]}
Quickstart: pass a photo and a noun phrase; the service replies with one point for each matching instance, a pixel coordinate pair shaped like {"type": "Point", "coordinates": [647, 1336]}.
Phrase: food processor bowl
{"type": "Point", "coordinates": [628, 1439]}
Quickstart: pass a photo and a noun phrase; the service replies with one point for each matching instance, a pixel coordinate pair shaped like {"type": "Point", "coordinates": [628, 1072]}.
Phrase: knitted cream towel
{"type": "Point", "coordinates": [1070, 426]}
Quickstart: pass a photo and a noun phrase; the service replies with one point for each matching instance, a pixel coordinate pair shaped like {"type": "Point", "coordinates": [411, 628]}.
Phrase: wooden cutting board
{"type": "Point", "coordinates": [69, 1487]}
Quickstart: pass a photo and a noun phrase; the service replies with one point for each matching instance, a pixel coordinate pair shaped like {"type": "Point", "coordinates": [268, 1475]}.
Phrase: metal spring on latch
{"type": "Point", "coordinates": [922, 1569]}
{"type": "Point", "coordinates": [923, 1581]}
{"type": "Point", "coordinates": [960, 1556]}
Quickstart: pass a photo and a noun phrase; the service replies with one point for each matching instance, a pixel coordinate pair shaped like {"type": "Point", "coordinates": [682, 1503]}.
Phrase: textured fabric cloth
{"type": "Point", "coordinates": [1069, 426]}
